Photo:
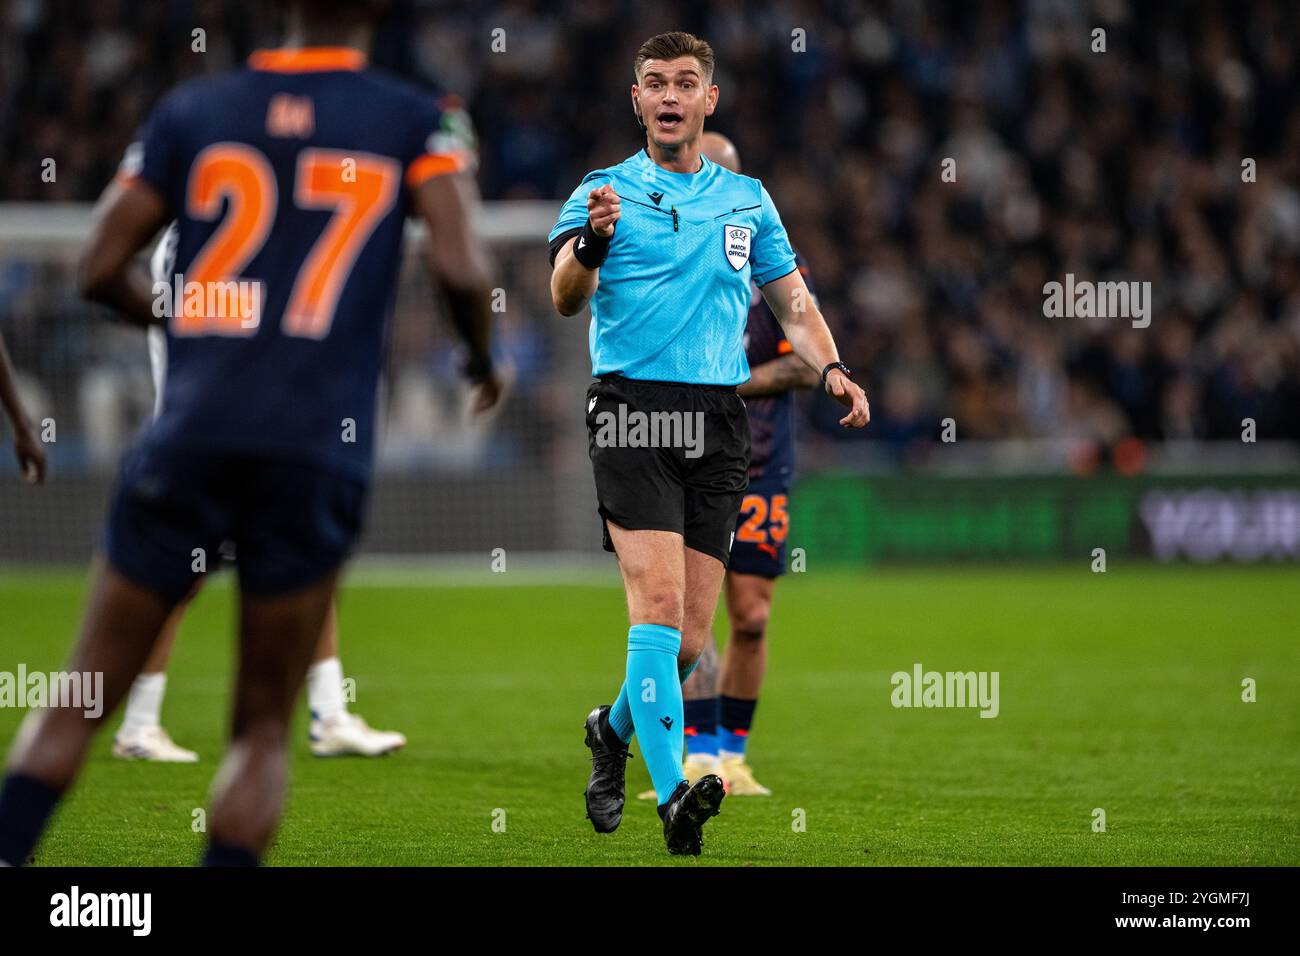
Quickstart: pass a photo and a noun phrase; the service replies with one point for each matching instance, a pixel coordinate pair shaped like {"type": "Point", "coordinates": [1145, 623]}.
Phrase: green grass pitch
{"type": "Point", "coordinates": [1120, 691]}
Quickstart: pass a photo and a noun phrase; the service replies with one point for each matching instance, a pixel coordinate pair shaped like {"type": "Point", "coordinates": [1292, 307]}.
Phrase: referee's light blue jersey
{"type": "Point", "coordinates": [673, 295]}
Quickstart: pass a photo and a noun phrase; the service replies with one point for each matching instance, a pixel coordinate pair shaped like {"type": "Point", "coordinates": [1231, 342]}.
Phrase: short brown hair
{"type": "Point", "coordinates": [669, 46]}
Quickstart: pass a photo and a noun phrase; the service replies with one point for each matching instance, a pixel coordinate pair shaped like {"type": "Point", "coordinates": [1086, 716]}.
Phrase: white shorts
{"type": "Point", "coordinates": [160, 268]}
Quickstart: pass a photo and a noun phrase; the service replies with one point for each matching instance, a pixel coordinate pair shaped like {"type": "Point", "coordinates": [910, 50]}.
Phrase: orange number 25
{"type": "Point", "coordinates": [756, 506]}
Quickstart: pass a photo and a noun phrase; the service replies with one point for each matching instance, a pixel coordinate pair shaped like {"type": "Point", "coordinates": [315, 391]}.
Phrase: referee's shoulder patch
{"type": "Point", "coordinates": [736, 244]}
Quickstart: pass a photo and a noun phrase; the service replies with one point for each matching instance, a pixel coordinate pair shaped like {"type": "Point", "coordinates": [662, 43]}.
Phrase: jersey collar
{"type": "Point", "coordinates": [647, 161]}
{"type": "Point", "coordinates": [310, 59]}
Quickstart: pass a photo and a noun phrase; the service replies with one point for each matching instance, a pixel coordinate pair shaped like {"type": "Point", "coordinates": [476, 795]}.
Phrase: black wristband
{"type": "Point", "coordinates": [839, 365]}
{"type": "Point", "coordinates": [591, 249]}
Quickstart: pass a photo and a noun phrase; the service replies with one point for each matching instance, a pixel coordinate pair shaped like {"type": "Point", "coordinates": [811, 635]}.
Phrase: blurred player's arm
{"type": "Point", "coordinates": [462, 267]}
{"type": "Point", "coordinates": [127, 217]}
{"type": "Point", "coordinates": [796, 310]}
{"type": "Point", "coordinates": [780, 375]}
{"type": "Point", "coordinates": [577, 264]}
{"type": "Point", "coordinates": [30, 454]}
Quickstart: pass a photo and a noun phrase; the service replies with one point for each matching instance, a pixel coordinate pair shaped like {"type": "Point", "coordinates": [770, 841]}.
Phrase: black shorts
{"type": "Point", "coordinates": [669, 457]}
{"type": "Point", "coordinates": [175, 511]}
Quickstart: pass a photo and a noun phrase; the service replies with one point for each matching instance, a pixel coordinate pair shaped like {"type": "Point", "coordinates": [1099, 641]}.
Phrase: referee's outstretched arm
{"type": "Point", "coordinates": [794, 307]}
{"type": "Point", "coordinates": [572, 282]}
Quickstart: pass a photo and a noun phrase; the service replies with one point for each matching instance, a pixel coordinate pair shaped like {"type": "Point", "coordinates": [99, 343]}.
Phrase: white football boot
{"type": "Point", "coordinates": [150, 743]}
{"type": "Point", "coordinates": [348, 735]}
{"type": "Point", "coordinates": [740, 778]}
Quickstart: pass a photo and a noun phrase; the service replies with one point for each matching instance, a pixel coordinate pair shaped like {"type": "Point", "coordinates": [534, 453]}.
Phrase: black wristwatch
{"type": "Point", "coordinates": [839, 365]}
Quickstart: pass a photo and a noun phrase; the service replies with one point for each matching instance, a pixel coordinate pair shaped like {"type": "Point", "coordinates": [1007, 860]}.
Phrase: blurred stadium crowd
{"type": "Point", "coordinates": [1118, 165]}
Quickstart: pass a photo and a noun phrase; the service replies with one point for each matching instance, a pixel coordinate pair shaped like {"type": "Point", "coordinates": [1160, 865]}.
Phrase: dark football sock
{"type": "Point", "coordinates": [701, 727]}
{"type": "Point", "coordinates": [223, 854]}
{"type": "Point", "coordinates": [25, 807]}
{"type": "Point", "coordinates": [735, 716]}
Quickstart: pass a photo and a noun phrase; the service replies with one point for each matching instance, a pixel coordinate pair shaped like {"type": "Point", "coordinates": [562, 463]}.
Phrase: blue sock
{"type": "Point", "coordinates": [620, 715]}
{"type": "Point", "coordinates": [702, 726]}
{"type": "Point", "coordinates": [655, 700]}
{"type": "Point", "coordinates": [735, 716]}
{"type": "Point", "coordinates": [25, 807]}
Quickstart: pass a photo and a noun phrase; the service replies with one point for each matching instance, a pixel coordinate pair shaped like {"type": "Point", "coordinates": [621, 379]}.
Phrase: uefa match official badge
{"type": "Point", "coordinates": [735, 242]}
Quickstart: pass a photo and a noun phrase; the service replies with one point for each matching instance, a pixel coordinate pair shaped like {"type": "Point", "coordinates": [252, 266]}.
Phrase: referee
{"type": "Point", "coordinates": [669, 289]}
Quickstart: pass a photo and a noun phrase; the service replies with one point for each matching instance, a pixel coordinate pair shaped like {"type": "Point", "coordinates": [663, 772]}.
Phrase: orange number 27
{"type": "Point", "coordinates": [359, 188]}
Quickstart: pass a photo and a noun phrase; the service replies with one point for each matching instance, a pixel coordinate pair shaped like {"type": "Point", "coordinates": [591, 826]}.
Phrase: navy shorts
{"type": "Point", "coordinates": [761, 530]}
{"type": "Point", "coordinates": [291, 523]}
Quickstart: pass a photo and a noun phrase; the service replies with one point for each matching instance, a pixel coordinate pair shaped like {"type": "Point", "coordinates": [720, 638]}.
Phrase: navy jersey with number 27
{"type": "Point", "coordinates": [290, 184]}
